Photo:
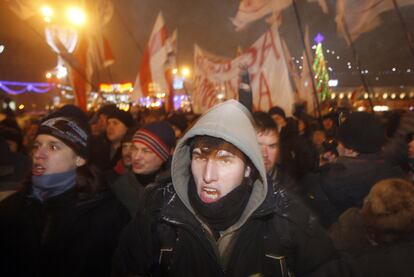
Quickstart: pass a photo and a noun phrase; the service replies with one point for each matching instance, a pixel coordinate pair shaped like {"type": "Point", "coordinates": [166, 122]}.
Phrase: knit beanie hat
{"type": "Point", "coordinates": [277, 110]}
{"type": "Point", "coordinates": [158, 136]}
{"type": "Point", "coordinates": [123, 116]}
{"type": "Point", "coordinates": [68, 130]}
{"type": "Point", "coordinates": [362, 132]}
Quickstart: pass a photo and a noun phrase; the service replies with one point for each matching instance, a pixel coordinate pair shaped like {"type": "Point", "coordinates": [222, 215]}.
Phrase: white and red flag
{"type": "Point", "coordinates": [252, 10]}
{"type": "Point", "coordinates": [157, 58]}
{"type": "Point", "coordinates": [354, 17]}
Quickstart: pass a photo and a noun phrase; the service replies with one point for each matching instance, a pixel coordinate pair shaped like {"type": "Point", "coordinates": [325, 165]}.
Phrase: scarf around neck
{"type": "Point", "coordinates": [46, 186]}
{"type": "Point", "coordinates": [223, 213]}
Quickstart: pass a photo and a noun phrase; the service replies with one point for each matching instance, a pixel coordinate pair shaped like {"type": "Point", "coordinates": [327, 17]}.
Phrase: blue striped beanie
{"type": "Point", "coordinates": [158, 136]}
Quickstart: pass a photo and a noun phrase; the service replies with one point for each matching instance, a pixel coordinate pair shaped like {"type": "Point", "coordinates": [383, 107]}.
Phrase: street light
{"type": "Point", "coordinates": [185, 72]}
{"type": "Point", "coordinates": [76, 16]}
{"type": "Point", "coordinates": [47, 13]}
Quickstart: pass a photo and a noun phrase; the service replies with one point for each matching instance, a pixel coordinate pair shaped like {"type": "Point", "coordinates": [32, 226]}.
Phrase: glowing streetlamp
{"type": "Point", "coordinates": [47, 13]}
{"type": "Point", "coordinates": [76, 16]}
{"type": "Point", "coordinates": [185, 72]}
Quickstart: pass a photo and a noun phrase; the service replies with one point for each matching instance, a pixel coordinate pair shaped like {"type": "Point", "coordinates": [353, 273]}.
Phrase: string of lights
{"type": "Point", "coordinates": [16, 88]}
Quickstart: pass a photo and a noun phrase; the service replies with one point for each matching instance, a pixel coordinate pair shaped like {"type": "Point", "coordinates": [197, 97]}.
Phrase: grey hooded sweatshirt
{"type": "Point", "coordinates": [230, 121]}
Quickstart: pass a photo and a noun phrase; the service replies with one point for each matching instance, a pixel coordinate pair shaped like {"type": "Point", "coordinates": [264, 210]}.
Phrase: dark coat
{"type": "Point", "coordinates": [130, 191]}
{"type": "Point", "coordinates": [391, 259]}
{"type": "Point", "coordinates": [345, 183]}
{"type": "Point", "coordinates": [61, 237]}
{"type": "Point", "coordinates": [280, 236]}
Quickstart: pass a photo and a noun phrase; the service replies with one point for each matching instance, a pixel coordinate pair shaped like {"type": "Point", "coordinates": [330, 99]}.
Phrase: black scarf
{"type": "Point", "coordinates": [223, 213]}
{"type": "Point", "coordinates": [146, 179]}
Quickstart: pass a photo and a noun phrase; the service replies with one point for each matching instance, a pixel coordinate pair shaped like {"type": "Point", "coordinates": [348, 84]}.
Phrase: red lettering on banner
{"type": "Point", "coordinates": [227, 67]}
{"type": "Point", "coordinates": [252, 52]}
{"type": "Point", "coordinates": [264, 91]}
{"type": "Point", "coordinates": [208, 94]}
{"type": "Point", "coordinates": [268, 44]}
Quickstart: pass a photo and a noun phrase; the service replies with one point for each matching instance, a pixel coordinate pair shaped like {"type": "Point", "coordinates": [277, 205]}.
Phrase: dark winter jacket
{"type": "Point", "coordinates": [345, 183]}
{"type": "Point", "coordinates": [391, 259]}
{"type": "Point", "coordinates": [63, 236]}
{"type": "Point", "coordinates": [372, 258]}
{"type": "Point", "coordinates": [274, 236]}
{"type": "Point", "coordinates": [130, 191]}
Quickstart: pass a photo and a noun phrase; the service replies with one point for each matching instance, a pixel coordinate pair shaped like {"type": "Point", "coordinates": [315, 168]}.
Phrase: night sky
{"type": "Point", "coordinates": [27, 57]}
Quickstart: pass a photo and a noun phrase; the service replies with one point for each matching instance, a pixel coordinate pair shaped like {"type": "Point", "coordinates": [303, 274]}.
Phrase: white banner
{"type": "Point", "coordinates": [216, 79]}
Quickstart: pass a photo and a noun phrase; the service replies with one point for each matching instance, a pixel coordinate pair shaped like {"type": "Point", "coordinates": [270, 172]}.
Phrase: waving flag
{"type": "Point", "coordinates": [252, 10]}
{"type": "Point", "coordinates": [355, 17]}
{"type": "Point", "coordinates": [152, 77]}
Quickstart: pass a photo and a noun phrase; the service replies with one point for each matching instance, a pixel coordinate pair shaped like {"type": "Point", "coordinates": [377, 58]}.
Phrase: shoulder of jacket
{"type": "Point", "coordinates": [292, 210]}
{"type": "Point", "coordinates": [156, 195]}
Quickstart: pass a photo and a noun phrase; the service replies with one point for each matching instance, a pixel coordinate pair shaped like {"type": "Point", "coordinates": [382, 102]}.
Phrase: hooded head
{"type": "Point", "coordinates": [230, 123]}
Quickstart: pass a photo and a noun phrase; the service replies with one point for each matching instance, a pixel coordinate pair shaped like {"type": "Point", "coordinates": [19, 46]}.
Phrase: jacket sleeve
{"type": "Point", "coordinates": [315, 254]}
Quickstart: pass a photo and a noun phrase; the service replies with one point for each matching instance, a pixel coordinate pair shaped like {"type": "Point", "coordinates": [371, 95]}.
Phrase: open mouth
{"type": "Point", "coordinates": [38, 170]}
{"type": "Point", "coordinates": [209, 195]}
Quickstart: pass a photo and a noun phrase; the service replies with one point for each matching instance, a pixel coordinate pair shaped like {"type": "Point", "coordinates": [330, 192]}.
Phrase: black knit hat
{"type": "Point", "coordinates": [72, 133]}
{"type": "Point", "coordinates": [277, 110]}
{"type": "Point", "coordinates": [123, 116]}
{"type": "Point", "coordinates": [362, 132]}
{"type": "Point", "coordinates": [158, 136]}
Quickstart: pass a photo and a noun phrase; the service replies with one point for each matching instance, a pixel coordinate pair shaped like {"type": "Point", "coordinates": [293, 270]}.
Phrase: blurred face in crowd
{"type": "Point", "coordinates": [301, 127]}
{"type": "Point", "coordinates": [177, 131]}
{"type": "Point", "coordinates": [318, 137]}
{"type": "Point", "coordinates": [144, 160]}
{"type": "Point", "coordinates": [327, 123]}
{"type": "Point", "coordinates": [217, 171]}
{"type": "Point", "coordinates": [102, 122]}
{"type": "Point", "coordinates": [115, 130]}
{"type": "Point", "coordinates": [51, 155]}
{"type": "Point", "coordinates": [127, 153]}
{"type": "Point", "coordinates": [279, 120]}
{"type": "Point", "coordinates": [12, 146]}
{"type": "Point", "coordinates": [269, 144]}
{"type": "Point", "coordinates": [411, 149]}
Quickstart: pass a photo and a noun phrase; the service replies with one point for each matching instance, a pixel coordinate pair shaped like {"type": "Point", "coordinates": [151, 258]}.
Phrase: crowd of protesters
{"type": "Point", "coordinates": [229, 193]}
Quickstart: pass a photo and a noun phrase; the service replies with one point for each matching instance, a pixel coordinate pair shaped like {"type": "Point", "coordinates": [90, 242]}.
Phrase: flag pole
{"type": "Point", "coordinates": [295, 7]}
{"type": "Point", "coordinates": [358, 63]}
{"type": "Point", "coordinates": [408, 34]}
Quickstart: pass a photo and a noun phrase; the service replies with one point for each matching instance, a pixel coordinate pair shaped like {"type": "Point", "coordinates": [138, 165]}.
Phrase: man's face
{"type": "Point", "coordinates": [216, 172]}
{"type": "Point", "coordinates": [144, 160]}
{"type": "Point", "coordinates": [127, 153]}
{"type": "Point", "coordinates": [269, 144]}
{"type": "Point", "coordinates": [51, 155]}
{"type": "Point", "coordinates": [327, 123]}
{"type": "Point", "coordinates": [115, 130]}
{"type": "Point", "coordinates": [318, 137]}
{"type": "Point", "coordinates": [411, 149]}
{"type": "Point", "coordinates": [102, 121]}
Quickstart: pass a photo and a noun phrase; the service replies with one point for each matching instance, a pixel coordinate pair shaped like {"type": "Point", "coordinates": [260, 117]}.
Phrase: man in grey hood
{"type": "Point", "coordinates": [219, 216]}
